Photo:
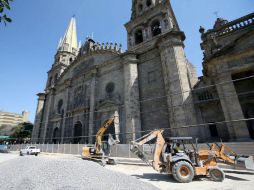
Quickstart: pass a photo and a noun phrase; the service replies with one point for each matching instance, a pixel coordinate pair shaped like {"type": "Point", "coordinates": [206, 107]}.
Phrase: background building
{"type": "Point", "coordinates": [8, 121]}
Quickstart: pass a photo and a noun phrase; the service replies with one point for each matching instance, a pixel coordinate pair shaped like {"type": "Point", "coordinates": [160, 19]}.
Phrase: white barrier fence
{"type": "Point", "coordinates": [123, 150]}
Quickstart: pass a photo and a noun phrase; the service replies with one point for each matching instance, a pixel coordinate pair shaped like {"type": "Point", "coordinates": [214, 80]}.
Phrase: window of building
{"type": "Point", "coordinates": [110, 87]}
{"type": "Point", "coordinates": [156, 28]}
{"type": "Point", "coordinates": [148, 3]}
{"type": "Point", "coordinates": [138, 37]}
{"type": "Point", "coordinates": [70, 60]}
{"type": "Point", "coordinates": [60, 106]}
{"type": "Point", "coordinates": [206, 95]}
{"type": "Point", "coordinates": [166, 23]}
{"type": "Point", "coordinates": [140, 7]}
{"type": "Point", "coordinates": [151, 77]}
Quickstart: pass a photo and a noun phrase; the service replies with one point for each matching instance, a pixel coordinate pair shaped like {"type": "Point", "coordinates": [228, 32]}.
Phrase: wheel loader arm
{"type": "Point", "coordinates": [221, 154]}
{"type": "Point", "coordinates": [158, 147]}
{"type": "Point", "coordinates": [218, 152]}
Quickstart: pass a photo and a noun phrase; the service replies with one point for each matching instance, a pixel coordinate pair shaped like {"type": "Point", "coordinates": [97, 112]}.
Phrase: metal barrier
{"type": "Point", "coordinates": [123, 150]}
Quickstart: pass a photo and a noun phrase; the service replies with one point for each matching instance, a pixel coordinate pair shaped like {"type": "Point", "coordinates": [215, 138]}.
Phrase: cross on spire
{"type": "Point", "coordinates": [216, 13]}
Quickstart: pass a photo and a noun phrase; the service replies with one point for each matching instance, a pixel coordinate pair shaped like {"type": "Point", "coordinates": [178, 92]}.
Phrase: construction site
{"type": "Point", "coordinates": [140, 118]}
{"type": "Point", "coordinates": [165, 163]}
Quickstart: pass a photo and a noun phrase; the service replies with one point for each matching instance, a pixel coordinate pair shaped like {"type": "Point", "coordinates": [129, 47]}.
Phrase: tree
{"type": "Point", "coordinates": [22, 131]}
{"type": "Point", "coordinates": [4, 4]}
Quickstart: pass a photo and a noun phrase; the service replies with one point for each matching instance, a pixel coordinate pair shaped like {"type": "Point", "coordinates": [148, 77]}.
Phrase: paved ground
{"type": "Point", "coordinates": [62, 172]}
{"type": "Point", "coordinates": [235, 179]}
{"type": "Point", "coordinates": [5, 157]}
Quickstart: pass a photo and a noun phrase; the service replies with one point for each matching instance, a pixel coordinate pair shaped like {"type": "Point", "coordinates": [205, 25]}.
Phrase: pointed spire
{"type": "Point", "coordinates": [69, 42]}
{"type": "Point", "coordinates": [60, 43]}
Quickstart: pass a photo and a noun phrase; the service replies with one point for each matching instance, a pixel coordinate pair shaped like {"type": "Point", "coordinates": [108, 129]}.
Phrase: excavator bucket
{"type": "Point", "coordinates": [245, 162]}
{"type": "Point", "coordinates": [136, 150]}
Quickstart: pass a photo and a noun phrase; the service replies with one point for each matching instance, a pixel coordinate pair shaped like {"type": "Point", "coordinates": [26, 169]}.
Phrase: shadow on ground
{"type": "Point", "coordinates": [162, 177]}
{"type": "Point", "coordinates": [236, 178]}
{"type": "Point", "coordinates": [239, 172]}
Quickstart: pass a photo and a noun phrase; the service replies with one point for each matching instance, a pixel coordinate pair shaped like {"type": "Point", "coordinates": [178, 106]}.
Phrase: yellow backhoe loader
{"type": "Point", "coordinates": [186, 163]}
{"type": "Point", "coordinates": [100, 152]}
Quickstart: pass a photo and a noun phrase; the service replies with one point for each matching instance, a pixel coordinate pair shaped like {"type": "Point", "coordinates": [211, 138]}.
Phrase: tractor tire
{"type": "Point", "coordinates": [183, 172]}
{"type": "Point", "coordinates": [217, 174]}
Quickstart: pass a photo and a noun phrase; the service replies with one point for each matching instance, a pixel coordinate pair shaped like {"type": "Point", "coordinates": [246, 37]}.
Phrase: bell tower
{"type": "Point", "coordinates": [149, 19]}
{"type": "Point", "coordinates": [66, 53]}
{"type": "Point", "coordinates": [156, 39]}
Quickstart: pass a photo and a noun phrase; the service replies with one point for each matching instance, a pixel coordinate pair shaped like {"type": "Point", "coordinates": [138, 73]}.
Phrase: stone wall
{"type": "Point", "coordinates": [154, 110]}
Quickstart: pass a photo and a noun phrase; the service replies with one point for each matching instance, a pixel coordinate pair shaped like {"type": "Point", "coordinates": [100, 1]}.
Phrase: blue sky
{"type": "Point", "coordinates": [28, 44]}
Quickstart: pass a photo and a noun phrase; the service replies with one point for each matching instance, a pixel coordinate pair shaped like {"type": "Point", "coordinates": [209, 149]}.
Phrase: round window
{"type": "Point", "coordinates": [110, 87]}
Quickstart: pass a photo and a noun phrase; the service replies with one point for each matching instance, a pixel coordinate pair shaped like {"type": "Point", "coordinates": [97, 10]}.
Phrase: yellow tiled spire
{"type": "Point", "coordinates": [69, 42]}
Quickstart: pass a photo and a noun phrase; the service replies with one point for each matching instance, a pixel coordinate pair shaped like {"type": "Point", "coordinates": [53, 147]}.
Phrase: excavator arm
{"type": "Point", "coordinates": [102, 130]}
{"type": "Point", "coordinates": [156, 134]}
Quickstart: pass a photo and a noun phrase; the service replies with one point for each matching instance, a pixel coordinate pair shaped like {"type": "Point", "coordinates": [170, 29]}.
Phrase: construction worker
{"type": "Point", "coordinates": [177, 148]}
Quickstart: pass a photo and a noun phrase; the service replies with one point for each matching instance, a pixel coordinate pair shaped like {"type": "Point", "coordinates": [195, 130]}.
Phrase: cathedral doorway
{"type": "Point", "coordinates": [77, 132]}
{"type": "Point", "coordinates": [56, 135]}
{"type": "Point", "coordinates": [249, 114]}
{"type": "Point", "coordinates": [213, 130]}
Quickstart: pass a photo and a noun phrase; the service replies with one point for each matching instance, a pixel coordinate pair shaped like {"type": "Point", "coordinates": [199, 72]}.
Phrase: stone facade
{"type": "Point", "coordinates": [151, 85]}
{"type": "Point", "coordinates": [228, 68]}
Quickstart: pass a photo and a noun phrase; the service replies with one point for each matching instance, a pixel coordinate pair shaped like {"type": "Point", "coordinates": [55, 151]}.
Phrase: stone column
{"type": "Point", "coordinates": [177, 86]}
{"type": "Point", "coordinates": [131, 97]}
{"type": "Point", "coordinates": [66, 101]}
{"type": "Point", "coordinates": [231, 107]}
{"type": "Point", "coordinates": [50, 97]}
{"type": "Point", "coordinates": [38, 117]}
{"type": "Point", "coordinates": [91, 111]}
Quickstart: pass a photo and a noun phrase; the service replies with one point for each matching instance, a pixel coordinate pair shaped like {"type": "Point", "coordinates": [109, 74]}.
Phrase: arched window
{"type": "Point", "coordinates": [138, 37]}
{"type": "Point", "coordinates": [60, 106]}
{"type": "Point", "coordinates": [148, 3]}
{"type": "Point", "coordinates": [70, 60]}
{"type": "Point", "coordinates": [156, 28]}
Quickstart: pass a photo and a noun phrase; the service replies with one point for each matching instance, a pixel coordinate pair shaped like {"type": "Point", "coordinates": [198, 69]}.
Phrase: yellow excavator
{"type": "Point", "coordinates": [100, 152]}
{"type": "Point", "coordinates": [187, 163]}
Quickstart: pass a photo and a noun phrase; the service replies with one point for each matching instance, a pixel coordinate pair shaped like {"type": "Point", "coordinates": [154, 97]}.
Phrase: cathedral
{"type": "Point", "coordinates": [152, 85]}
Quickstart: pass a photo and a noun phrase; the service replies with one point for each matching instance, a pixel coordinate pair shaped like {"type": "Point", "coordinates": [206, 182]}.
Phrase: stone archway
{"type": "Point", "coordinates": [77, 132]}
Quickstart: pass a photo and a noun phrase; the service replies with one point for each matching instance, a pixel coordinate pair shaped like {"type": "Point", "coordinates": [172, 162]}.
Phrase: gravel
{"type": "Point", "coordinates": [44, 173]}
